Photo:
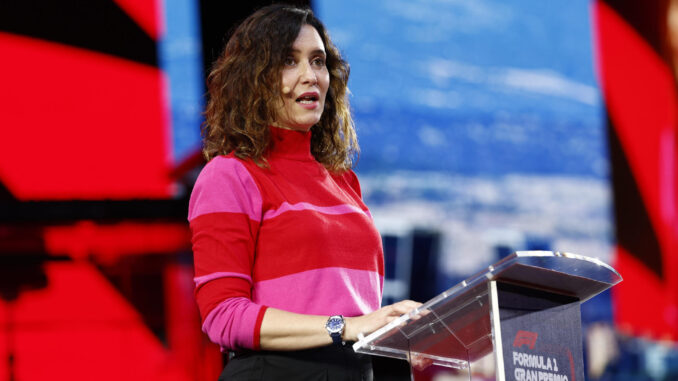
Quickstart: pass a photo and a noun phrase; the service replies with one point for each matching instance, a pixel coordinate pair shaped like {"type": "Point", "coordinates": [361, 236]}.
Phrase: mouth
{"type": "Point", "coordinates": [308, 98]}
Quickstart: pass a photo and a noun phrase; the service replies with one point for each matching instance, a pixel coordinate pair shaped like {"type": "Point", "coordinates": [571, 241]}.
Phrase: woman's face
{"type": "Point", "coordinates": [305, 80]}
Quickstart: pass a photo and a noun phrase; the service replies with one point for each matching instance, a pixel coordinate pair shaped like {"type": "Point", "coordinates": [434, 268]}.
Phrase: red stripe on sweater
{"type": "Point", "coordinates": [211, 294]}
{"type": "Point", "coordinates": [357, 245]}
{"type": "Point", "coordinates": [223, 242]}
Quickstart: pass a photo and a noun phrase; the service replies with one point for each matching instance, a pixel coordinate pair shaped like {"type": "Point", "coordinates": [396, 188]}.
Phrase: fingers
{"type": "Point", "coordinates": [404, 306]}
{"type": "Point", "coordinates": [408, 303]}
{"type": "Point", "coordinates": [367, 324]}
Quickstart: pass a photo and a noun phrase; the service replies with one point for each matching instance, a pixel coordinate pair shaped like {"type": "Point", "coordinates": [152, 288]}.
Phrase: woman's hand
{"type": "Point", "coordinates": [369, 323]}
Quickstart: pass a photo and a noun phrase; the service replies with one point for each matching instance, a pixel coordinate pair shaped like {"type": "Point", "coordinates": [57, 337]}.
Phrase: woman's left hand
{"type": "Point", "coordinates": [369, 323]}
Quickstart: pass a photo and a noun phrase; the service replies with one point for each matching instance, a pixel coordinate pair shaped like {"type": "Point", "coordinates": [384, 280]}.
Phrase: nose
{"type": "Point", "coordinates": [307, 74]}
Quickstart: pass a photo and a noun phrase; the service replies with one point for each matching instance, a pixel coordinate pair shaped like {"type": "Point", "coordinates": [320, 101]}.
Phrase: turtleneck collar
{"type": "Point", "coordinates": [291, 144]}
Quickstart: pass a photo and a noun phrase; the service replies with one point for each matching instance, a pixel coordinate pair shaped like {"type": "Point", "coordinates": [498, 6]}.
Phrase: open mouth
{"type": "Point", "coordinates": [309, 98]}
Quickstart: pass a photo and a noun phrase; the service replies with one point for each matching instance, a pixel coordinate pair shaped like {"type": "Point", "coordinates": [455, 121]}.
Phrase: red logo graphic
{"type": "Point", "coordinates": [525, 338]}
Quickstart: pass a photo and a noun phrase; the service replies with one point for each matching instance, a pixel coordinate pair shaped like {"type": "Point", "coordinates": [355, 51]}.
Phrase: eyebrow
{"type": "Point", "coordinates": [317, 51]}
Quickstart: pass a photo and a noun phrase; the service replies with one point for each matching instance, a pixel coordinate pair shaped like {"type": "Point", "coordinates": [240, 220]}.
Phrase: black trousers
{"type": "Point", "coordinates": [331, 363]}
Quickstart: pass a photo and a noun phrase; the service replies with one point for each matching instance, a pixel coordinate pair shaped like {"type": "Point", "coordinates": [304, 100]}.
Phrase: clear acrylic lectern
{"type": "Point", "coordinates": [523, 310]}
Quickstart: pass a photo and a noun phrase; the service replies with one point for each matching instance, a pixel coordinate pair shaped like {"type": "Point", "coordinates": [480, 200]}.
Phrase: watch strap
{"type": "Point", "coordinates": [336, 338]}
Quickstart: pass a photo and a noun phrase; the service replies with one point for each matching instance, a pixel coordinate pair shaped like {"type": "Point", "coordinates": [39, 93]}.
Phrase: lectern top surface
{"type": "Point", "coordinates": [454, 327]}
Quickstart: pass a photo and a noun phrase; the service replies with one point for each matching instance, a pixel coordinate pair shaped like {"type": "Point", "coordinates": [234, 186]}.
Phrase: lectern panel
{"type": "Point", "coordinates": [540, 335]}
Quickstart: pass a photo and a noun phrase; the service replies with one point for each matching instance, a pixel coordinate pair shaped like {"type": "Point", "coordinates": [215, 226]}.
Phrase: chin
{"type": "Point", "coordinates": [307, 125]}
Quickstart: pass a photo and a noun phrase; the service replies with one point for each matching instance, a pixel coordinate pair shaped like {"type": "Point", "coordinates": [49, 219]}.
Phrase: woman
{"type": "Point", "coordinates": [288, 264]}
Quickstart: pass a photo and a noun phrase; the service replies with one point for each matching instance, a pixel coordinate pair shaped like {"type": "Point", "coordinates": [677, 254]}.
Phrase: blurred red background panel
{"type": "Point", "coordinates": [80, 125]}
{"type": "Point", "coordinates": [642, 107]}
{"type": "Point", "coordinates": [146, 13]}
{"type": "Point", "coordinates": [641, 300]}
{"type": "Point", "coordinates": [640, 95]}
{"type": "Point", "coordinates": [81, 327]}
{"type": "Point", "coordinates": [108, 242]}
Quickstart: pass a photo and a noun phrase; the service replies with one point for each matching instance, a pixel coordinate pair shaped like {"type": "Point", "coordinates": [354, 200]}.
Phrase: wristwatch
{"type": "Point", "coordinates": [335, 327]}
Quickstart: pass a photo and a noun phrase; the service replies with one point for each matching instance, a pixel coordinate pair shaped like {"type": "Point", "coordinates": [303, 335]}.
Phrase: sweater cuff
{"type": "Point", "coordinates": [232, 323]}
{"type": "Point", "coordinates": [257, 328]}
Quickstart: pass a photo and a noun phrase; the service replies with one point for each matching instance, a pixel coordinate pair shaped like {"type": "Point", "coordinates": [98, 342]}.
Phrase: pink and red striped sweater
{"type": "Point", "coordinates": [293, 236]}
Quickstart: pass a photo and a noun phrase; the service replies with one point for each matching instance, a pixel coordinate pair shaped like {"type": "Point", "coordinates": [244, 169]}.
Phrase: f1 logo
{"type": "Point", "coordinates": [525, 338]}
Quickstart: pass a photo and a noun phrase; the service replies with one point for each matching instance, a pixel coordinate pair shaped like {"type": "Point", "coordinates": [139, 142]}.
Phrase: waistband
{"type": "Point", "coordinates": [311, 354]}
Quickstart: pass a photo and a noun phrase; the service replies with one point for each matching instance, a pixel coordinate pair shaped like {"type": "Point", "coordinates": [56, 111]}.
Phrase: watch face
{"type": "Point", "coordinates": [335, 324]}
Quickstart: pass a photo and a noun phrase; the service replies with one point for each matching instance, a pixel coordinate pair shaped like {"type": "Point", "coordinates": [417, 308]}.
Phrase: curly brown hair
{"type": "Point", "coordinates": [245, 84]}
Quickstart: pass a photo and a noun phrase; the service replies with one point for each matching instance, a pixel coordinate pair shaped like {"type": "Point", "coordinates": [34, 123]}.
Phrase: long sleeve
{"type": "Point", "coordinates": [224, 216]}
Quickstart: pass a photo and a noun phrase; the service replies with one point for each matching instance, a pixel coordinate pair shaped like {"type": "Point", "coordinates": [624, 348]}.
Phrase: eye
{"type": "Point", "coordinates": [318, 61]}
{"type": "Point", "coordinates": [289, 61]}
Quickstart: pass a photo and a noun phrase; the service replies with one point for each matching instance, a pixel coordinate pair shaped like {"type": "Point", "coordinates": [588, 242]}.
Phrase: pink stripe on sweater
{"type": "Point", "coordinates": [225, 185]}
{"type": "Point", "coordinates": [336, 209]}
{"type": "Point", "coordinates": [199, 280]}
{"type": "Point", "coordinates": [231, 324]}
{"type": "Point", "coordinates": [326, 291]}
